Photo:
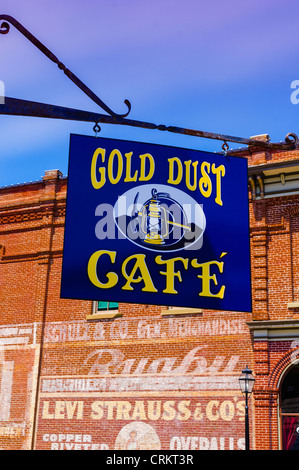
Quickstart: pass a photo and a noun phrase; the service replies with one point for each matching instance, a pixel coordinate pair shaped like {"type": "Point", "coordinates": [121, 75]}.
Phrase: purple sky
{"type": "Point", "coordinates": [223, 67]}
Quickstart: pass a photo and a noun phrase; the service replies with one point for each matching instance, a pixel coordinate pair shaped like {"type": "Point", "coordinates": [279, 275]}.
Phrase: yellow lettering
{"type": "Point", "coordinates": [80, 410]}
{"type": "Point", "coordinates": [179, 177]}
{"type": "Point", "coordinates": [170, 273]}
{"type": "Point", "coordinates": [143, 176]}
{"type": "Point", "coordinates": [145, 275]}
{"type": "Point", "coordinates": [219, 171]}
{"type": "Point", "coordinates": [123, 409]}
{"type": "Point", "coordinates": [71, 408]}
{"type": "Point", "coordinates": [206, 277]}
{"type": "Point", "coordinates": [139, 411]}
{"type": "Point", "coordinates": [183, 408]}
{"type": "Point", "coordinates": [97, 410]}
{"type": "Point", "coordinates": [169, 410]}
{"type": "Point", "coordinates": [94, 181]}
{"type": "Point", "coordinates": [198, 415]}
{"type": "Point", "coordinates": [92, 270]}
{"type": "Point", "coordinates": [154, 410]}
{"type": "Point", "coordinates": [46, 414]}
{"type": "Point", "coordinates": [188, 182]}
{"type": "Point", "coordinates": [110, 405]}
{"type": "Point", "coordinates": [209, 410]}
{"type": "Point", "coordinates": [59, 409]}
{"type": "Point", "coordinates": [205, 185]}
{"type": "Point", "coordinates": [128, 177]}
{"type": "Point", "coordinates": [119, 166]}
{"type": "Point", "coordinates": [227, 410]}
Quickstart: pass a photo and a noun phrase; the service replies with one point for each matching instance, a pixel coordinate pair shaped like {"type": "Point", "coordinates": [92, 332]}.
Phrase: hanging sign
{"type": "Point", "coordinates": [158, 225]}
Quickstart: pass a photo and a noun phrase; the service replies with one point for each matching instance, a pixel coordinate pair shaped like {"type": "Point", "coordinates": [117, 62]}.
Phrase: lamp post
{"type": "Point", "coordinates": [246, 382]}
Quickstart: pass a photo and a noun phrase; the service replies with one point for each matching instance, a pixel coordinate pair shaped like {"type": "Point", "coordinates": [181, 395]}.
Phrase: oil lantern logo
{"type": "Point", "coordinates": [160, 218]}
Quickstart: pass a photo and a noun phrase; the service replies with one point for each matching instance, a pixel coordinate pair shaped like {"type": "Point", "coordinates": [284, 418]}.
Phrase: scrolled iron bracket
{"type": "Point", "coordinates": [17, 107]}
{"type": "Point", "coordinates": [291, 139]}
{"type": "Point", "coordinates": [4, 29]}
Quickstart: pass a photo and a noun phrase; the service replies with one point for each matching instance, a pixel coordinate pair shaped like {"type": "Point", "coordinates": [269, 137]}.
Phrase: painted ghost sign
{"type": "Point", "coordinates": [142, 390]}
{"type": "Point", "coordinates": [156, 225]}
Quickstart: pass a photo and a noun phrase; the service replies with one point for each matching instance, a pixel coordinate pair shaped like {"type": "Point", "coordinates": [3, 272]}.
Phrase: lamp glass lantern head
{"type": "Point", "coordinates": [246, 381]}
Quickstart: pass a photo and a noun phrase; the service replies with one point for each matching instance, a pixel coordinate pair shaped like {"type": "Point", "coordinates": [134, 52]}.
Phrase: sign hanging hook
{"type": "Point", "coordinates": [225, 148]}
{"type": "Point", "coordinates": [96, 128]}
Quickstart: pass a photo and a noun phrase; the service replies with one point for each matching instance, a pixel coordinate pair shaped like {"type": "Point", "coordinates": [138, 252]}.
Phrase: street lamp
{"type": "Point", "coordinates": [246, 382]}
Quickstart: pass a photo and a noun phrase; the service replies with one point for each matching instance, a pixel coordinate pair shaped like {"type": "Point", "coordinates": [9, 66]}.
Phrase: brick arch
{"type": "Point", "coordinates": [291, 357]}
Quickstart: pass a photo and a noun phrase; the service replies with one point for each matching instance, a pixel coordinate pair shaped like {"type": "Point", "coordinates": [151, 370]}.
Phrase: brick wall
{"type": "Point", "coordinates": [152, 378]}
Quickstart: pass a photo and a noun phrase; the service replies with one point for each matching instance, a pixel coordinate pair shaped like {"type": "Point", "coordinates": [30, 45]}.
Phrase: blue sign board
{"type": "Point", "coordinates": [158, 225]}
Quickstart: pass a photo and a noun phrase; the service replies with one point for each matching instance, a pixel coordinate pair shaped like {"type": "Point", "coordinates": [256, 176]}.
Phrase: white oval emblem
{"type": "Point", "coordinates": [160, 218]}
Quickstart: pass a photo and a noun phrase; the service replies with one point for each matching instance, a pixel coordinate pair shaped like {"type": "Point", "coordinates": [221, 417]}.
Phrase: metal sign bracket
{"type": "Point", "coordinates": [18, 107]}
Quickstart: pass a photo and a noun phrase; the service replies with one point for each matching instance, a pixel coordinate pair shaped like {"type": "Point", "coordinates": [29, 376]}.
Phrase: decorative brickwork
{"type": "Point", "coordinates": [149, 378]}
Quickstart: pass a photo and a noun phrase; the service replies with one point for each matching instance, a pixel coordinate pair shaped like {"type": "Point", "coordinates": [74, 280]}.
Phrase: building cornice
{"type": "Point", "coordinates": [275, 330]}
{"type": "Point", "coordinates": [274, 179]}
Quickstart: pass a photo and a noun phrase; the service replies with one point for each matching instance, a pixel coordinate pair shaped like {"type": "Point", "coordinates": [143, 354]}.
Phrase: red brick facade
{"type": "Point", "coordinates": [148, 377]}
